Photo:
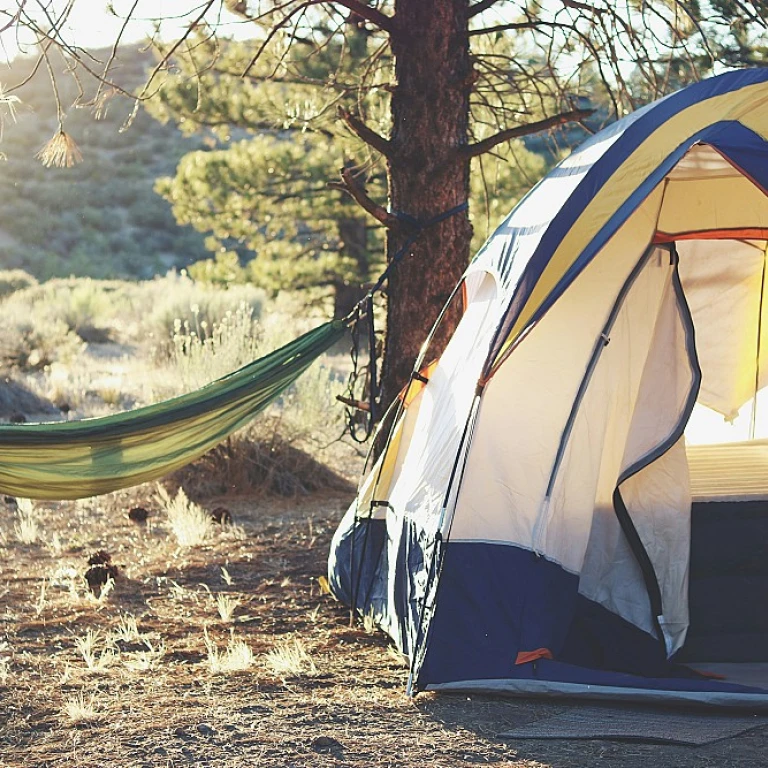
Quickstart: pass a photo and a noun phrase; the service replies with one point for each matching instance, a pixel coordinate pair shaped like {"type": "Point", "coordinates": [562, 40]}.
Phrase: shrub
{"type": "Point", "coordinates": [12, 280]}
{"type": "Point", "coordinates": [184, 307]}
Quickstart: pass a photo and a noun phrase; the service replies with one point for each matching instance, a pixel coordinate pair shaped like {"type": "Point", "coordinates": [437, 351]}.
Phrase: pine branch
{"type": "Point", "coordinates": [381, 20]}
{"type": "Point", "coordinates": [515, 26]}
{"type": "Point", "coordinates": [362, 131]}
{"type": "Point", "coordinates": [481, 147]}
{"type": "Point", "coordinates": [351, 187]}
{"type": "Point", "coordinates": [479, 7]}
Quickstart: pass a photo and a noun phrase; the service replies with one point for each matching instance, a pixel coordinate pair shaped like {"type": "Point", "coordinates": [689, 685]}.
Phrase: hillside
{"type": "Point", "coordinates": [102, 217]}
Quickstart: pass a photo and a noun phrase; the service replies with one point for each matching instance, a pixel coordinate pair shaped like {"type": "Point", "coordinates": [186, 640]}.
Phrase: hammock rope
{"type": "Point", "coordinates": [365, 379]}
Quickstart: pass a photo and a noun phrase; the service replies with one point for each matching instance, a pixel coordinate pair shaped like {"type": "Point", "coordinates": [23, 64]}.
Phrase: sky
{"type": "Point", "coordinates": [90, 25]}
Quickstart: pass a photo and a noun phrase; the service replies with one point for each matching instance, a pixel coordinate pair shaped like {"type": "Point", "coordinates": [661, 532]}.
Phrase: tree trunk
{"type": "Point", "coordinates": [428, 174]}
{"type": "Point", "coordinates": [345, 297]}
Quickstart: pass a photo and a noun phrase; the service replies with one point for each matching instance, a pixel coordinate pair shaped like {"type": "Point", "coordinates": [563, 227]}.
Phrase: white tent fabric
{"type": "Point", "coordinates": [419, 486]}
{"type": "Point", "coordinates": [724, 283]}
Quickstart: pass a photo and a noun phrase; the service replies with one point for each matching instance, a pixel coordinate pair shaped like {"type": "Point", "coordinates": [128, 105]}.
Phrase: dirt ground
{"type": "Point", "coordinates": [151, 698]}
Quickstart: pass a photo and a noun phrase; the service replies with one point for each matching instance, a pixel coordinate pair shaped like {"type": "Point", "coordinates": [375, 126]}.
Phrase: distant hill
{"type": "Point", "coordinates": [100, 218]}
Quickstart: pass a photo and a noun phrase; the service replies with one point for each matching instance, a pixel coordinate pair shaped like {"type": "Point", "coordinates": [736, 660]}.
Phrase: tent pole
{"type": "Point", "coordinates": [753, 419]}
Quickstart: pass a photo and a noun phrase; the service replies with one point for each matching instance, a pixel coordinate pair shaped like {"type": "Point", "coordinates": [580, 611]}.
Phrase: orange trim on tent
{"type": "Point", "coordinates": [525, 657]}
{"type": "Point", "coordinates": [709, 675]}
{"type": "Point", "coordinates": [414, 386]}
{"type": "Point", "coordinates": [745, 233]}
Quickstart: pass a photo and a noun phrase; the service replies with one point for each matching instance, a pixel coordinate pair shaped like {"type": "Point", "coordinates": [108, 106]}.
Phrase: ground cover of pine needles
{"type": "Point", "coordinates": [228, 653]}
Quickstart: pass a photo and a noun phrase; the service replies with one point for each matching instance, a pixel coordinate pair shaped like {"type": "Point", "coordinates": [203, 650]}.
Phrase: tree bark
{"type": "Point", "coordinates": [428, 174]}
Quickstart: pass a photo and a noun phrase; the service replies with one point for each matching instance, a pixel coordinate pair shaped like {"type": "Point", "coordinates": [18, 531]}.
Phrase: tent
{"type": "Point", "coordinates": [538, 523]}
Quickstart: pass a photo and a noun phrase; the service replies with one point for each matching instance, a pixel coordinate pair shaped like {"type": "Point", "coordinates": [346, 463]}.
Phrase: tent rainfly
{"type": "Point", "coordinates": [537, 523]}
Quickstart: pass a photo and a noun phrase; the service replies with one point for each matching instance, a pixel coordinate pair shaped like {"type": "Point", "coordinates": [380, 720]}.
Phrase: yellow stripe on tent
{"type": "Point", "coordinates": [740, 105]}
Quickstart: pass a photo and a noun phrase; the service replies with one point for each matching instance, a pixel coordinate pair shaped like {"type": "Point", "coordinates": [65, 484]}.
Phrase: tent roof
{"type": "Point", "coordinates": [561, 224]}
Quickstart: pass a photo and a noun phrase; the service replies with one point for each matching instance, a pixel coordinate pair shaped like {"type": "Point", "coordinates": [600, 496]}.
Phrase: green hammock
{"type": "Point", "coordinates": [72, 460]}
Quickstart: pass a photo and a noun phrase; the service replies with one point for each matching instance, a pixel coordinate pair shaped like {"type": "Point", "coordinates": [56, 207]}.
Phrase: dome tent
{"type": "Point", "coordinates": [528, 527]}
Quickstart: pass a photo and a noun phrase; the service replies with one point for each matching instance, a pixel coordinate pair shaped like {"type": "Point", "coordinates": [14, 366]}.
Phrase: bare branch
{"type": "Point", "coordinates": [479, 7]}
{"type": "Point", "coordinates": [362, 131]}
{"type": "Point", "coordinates": [167, 56]}
{"type": "Point", "coordinates": [373, 15]}
{"type": "Point", "coordinates": [115, 47]}
{"type": "Point", "coordinates": [583, 7]}
{"type": "Point", "coordinates": [516, 26]}
{"type": "Point", "coordinates": [349, 185]}
{"type": "Point", "coordinates": [356, 6]}
{"type": "Point", "coordinates": [480, 147]}
{"type": "Point", "coordinates": [15, 18]}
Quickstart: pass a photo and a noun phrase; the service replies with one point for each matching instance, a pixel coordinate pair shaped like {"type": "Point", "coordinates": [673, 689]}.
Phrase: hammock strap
{"type": "Point", "coordinates": [368, 411]}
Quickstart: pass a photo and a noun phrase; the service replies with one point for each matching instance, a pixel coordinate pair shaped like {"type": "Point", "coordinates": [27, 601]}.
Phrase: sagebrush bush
{"type": "Point", "coordinates": [12, 280]}
{"type": "Point", "coordinates": [179, 303]}
{"type": "Point", "coordinates": [77, 305]}
{"type": "Point", "coordinates": [197, 357]}
{"type": "Point", "coordinates": [32, 344]}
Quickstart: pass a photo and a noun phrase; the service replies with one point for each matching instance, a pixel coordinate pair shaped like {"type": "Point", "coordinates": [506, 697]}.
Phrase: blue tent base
{"type": "Point", "coordinates": [754, 674]}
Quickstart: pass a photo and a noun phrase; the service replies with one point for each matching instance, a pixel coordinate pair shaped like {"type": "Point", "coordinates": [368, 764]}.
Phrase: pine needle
{"type": "Point", "coordinates": [60, 152]}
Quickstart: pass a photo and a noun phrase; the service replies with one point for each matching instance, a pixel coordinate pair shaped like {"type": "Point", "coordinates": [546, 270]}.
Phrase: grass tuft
{"type": "Point", "coordinates": [127, 630]}
{"type": "Point", "coordinates": [26, 527]}
{"type": "Point", "coordinates": [237, 657]}
{"type": "Point", "coordinates": [146, 661]}
{"type": "Point", "coordinates": [78, 711]}
{"type": "Point", "coordinates": [226, 606]}
{"type": "Point", "coordinates": [190, 523]}
{"type": "Point", "coordinates": [96, 661]}
{"type": "Point", "coordinates": [290, 659]}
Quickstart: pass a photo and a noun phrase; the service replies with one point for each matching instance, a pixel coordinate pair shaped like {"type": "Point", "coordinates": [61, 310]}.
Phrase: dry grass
{"type": "Point", "coordinates": [162, 696]}
{"type": "Point", "coordinates": [78, 710]}
{"type": "Point", "coordinates": [226, 606]}
{"type": "Point", "coordinates": [189, 522]}
{"type": "Point", "coordinates": [97, 661]}
{"type": "Point", "coordinates": [26, 526]}
{"type": "Point", "coordinates": [236, 657]}
{"type": "Point", "coordinates": [127, 630]}
{"type": "Point", "coordinates": [290, 660]}
{"type": "Point", "coordinates": [257, 462]}
{"type": "Point", "coordinates": [146, 660]}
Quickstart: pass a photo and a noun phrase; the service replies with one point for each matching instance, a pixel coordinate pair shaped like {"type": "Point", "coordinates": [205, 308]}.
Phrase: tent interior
{"type": "Point", "coordinates": [715, 219]}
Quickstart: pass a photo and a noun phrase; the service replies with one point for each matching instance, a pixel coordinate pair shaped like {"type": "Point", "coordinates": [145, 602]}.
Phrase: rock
{"type": "Point", "coordinates": [222, 516]}
{"type": "Point", "coordinates": [138, 515]}
{"type": "Point", "coordinates": [205, 730]}
{"type": "Point", "coordinates": [325, 744]}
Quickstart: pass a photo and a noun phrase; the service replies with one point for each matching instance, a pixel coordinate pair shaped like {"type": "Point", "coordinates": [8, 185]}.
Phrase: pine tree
{"type": "Point", "coordinates": [442, 82]}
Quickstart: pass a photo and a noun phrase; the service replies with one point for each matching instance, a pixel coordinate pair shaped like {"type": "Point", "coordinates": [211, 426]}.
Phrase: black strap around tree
{"type": "Point", "coordinates": [368, 375]}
